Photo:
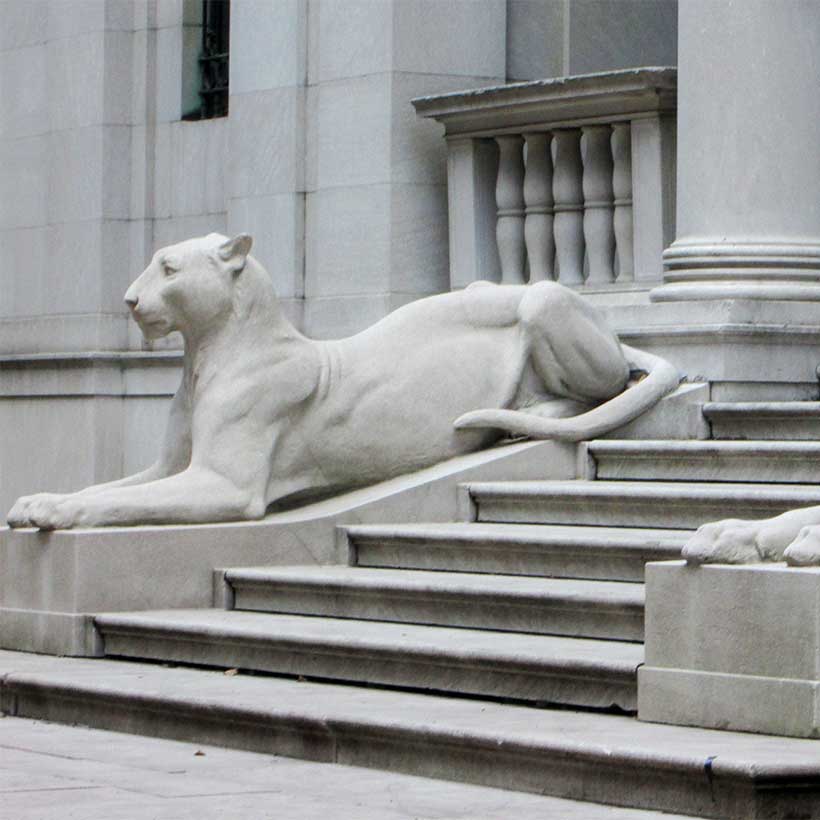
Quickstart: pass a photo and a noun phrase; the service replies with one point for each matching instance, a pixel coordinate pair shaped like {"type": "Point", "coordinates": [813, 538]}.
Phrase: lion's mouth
{"type": "Point", "coordinates": [151, 327]}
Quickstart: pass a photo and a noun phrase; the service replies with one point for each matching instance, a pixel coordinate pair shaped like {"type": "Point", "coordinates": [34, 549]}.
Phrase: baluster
{"type": "Point", "coordinates": [569, 207]}
{"type": "Point", "coordinates": [622, 190]}
{"type": "Point", "coordinates": [599, 231]}
{"type": "Point", "coordinates": [538, 199]}
{"type": "Point", "coordinates": [509, 198]}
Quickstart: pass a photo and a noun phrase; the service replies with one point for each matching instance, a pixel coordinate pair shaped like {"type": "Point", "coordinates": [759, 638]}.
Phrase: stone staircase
{"type": "Point", "coordinates": [535, 599]}
{"type": "Point", "coordinates": [764, 420]}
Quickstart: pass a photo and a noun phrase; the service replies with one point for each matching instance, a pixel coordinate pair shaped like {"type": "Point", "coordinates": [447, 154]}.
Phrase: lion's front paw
{"type": "Point", "coordinates": [724, 542]}
{"type": "Point", "coordinates": [53, 512]}
{"type": "Point", "coordinates": [18, 515]}
{"type": "Point", "coordinates": [804, 551]}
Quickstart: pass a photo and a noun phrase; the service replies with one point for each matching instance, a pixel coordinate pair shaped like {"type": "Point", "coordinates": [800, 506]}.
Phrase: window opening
{"type": "Point", "coordinates": [213, 61]}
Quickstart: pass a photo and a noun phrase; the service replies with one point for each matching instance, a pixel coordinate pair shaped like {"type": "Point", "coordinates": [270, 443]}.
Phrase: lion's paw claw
{"type": "Point", "coordinates": [804, 551]}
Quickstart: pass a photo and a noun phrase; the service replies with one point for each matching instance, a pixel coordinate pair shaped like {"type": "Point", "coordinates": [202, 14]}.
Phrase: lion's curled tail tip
{"type": "Point", "coordinates": [516, 423]}
{"type": "Point", "coordinates": [476, 418]}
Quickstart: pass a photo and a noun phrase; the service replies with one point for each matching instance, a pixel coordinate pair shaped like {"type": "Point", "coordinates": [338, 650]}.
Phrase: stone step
{"type": "Point", "coordinates": [104, 775]}
{"type": "Point", "coordinates": [774, 420]}
{"type": "Point", "coordinates": [557, 606]}
{"type": "Point", "coordinates": [613, 554]}
{"type": "Point", "coordinates": [596, 757]}
{"type": "Point", "coordinates": [631, 504]}
{"type": "Point", "coordinates": [536, 668]}
{"type": "Point", "coordinates": [791, 462]}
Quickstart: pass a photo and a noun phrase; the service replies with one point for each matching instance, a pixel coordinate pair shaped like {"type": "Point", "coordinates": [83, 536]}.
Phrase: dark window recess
{"type": "Point", "coordinates": [213, 61]}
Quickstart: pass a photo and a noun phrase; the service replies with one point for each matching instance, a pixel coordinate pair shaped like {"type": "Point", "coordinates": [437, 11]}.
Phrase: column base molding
{"type": "Point", "coordinates": [707, 270]}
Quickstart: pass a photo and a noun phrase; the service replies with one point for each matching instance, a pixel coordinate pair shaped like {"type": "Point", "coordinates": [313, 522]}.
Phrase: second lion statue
{"type": "Point", "coordinates": [264, 414]}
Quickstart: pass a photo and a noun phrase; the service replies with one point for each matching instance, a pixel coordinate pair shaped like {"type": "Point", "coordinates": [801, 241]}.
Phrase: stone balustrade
{"type": "Point", "coordinates": [570, 179]}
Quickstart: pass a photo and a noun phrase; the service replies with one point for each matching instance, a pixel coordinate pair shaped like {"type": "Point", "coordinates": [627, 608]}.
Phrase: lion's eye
{"type": "Point", "coordinates": [169, 270]}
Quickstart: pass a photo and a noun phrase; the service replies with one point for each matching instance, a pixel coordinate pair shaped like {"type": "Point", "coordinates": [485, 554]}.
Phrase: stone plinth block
{"type": "Point", "coordinates": [52, 583]}
{"type": "Point", "coordinates": [732, 647]}
{"type": "Point", "coordinates": [747, 349]}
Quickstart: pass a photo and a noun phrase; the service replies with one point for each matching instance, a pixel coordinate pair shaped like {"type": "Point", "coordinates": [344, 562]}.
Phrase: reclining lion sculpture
{"type": "Point", "coordinates": [264, 414]}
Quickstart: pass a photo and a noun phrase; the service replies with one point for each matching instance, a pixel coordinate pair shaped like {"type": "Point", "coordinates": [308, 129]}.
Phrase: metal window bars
{"type": "Point", "coordinates": [213, 60]}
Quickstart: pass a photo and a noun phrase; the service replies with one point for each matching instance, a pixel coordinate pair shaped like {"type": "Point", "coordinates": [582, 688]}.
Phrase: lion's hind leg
{"type": "Point", "coordinates": [575, 358]}
{"type": "Point", "coordinates": [571, 347]}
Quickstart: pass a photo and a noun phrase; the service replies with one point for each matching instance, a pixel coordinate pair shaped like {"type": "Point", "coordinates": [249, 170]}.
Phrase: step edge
{"type": "Point", "coordinates": [742, 770]}
{"type": "Point", "coordinates": [546, 667]}
{"type": "Point", "coordinates": [606, 544]}
{"type": "Point", "coordinates": [553, 599]}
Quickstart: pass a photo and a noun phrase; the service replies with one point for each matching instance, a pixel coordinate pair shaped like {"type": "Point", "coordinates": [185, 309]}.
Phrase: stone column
{"type": "Point", "coordinates": [748, 192]}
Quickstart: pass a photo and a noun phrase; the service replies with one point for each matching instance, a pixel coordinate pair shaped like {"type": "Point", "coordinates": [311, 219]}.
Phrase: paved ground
{"type": "Point", "coordinates": [53, 772]}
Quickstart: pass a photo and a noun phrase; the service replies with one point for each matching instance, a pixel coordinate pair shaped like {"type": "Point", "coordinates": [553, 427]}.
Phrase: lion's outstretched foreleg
{"type": "Point", "coordinates": [226, 480]}
{"type": "Point", "coordinates": [793, 536]}
{"type": "Point", "coordinates": [174, 457]}
{"type": "Point", "coordinates": [196, 495]}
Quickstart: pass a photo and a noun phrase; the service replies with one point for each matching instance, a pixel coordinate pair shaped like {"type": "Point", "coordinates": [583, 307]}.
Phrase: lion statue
{"type": "Point", "coordinates": [264, 414]}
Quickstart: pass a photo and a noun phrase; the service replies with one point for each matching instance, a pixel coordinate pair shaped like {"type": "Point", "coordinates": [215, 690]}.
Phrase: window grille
{"type": "Point", "coordinates": [213, 61]}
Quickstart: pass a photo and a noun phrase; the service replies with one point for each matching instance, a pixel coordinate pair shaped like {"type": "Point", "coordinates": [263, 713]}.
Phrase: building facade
{"type": "Point", "coordinates": [108, 153]}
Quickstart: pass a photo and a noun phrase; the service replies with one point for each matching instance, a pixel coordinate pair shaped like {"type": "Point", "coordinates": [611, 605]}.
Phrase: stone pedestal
{"type": "Point", "coordinates": [52, 583]}
{"type": "Point", "coordinates": [748, 214]}
{"type": "Point", "coordinates": [747, 349]}
{"type": "Point", "coordinates": [732, 647]}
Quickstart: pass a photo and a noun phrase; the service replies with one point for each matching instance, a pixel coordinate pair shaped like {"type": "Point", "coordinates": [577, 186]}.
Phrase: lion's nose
{"type": "Point", "coordinates": [131, 300]}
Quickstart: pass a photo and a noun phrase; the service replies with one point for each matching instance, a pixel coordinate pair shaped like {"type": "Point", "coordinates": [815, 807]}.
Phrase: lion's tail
{"type": "Point", "coordinates": [661, 378]}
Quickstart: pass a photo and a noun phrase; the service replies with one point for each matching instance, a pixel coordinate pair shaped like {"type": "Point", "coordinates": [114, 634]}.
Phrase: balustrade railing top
{"type": "Point", "coordinates": [569, 178]}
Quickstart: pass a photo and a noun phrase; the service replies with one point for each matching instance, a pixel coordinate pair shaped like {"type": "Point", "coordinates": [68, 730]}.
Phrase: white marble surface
{"type": "Point", "coordinates": [81, 572]}
{"type": "Point", "coordinates": [732, 647]}
{"type": "Point", "coordinates": [732, 150]}
{"type": "Point", "coordinates": [269, 41]}
{"type": "Point", "coordinates": [113, 776]}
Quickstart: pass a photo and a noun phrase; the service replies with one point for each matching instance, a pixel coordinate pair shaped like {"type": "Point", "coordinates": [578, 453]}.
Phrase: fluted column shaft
{"type": "Point", "coordinates": [748, 189]}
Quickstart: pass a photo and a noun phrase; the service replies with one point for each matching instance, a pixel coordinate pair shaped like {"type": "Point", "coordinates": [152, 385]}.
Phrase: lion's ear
{"type": "Point", "coordinates": [235, 250]}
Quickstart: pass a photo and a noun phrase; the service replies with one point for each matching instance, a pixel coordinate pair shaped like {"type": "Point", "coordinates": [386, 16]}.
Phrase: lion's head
{"type": "Point", "coordinates": [189, 286]}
